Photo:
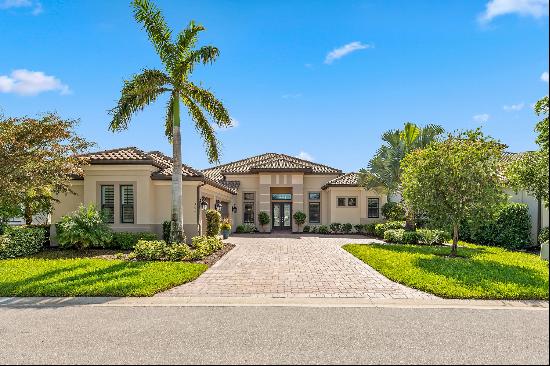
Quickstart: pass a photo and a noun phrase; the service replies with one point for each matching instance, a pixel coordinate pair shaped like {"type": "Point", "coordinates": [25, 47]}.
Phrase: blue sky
{"type": "Point", "coordinates": [321, 78]}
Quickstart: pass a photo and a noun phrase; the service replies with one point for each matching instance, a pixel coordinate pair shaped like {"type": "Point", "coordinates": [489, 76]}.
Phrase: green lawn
{"type": "Point", "coordinates": [480, 272]}
{"type": "Point", "coordinates": [46, 275]}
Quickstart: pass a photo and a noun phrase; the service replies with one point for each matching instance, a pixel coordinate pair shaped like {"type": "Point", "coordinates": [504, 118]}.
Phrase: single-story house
{"type": "Point", "coordinates": [134, 187]}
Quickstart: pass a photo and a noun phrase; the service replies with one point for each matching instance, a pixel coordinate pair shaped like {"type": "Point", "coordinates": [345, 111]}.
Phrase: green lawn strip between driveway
{"type": "Point", "coordinates": [92, 277]}
{"type": "Point", "coordinates": [480, 272]}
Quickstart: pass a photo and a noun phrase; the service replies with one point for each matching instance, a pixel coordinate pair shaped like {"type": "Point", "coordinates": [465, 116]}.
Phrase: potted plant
{"type": "Point", "coordinates": [225, 227]}
{"type": "Point", "coordinates": [264, 219]}
{"type": "Point", "coordinates": [299, 218]}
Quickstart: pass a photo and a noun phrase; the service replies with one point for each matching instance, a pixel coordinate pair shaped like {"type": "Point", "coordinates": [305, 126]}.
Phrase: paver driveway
{"type": "Point", "coordinates": [293, 266]}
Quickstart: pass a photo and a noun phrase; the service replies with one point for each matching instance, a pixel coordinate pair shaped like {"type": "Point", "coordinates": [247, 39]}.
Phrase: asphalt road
{"type": "Point", "coordinates": [259, 335]}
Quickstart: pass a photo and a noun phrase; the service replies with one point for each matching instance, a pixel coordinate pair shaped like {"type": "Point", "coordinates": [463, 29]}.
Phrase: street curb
{"type": "Point", "coordinates": [48, 302]}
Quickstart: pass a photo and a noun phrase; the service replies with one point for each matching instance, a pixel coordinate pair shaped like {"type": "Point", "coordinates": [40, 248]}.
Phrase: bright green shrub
{"type": "Point", "coordinates": [21, 241]}
{"type": "Point", "coordinates": [393, 211]}
{"type": "Point", "coordinates": [84, 228]}
{"type": "Point", "coordinates": [159, 250]}
{"type": "Point", "coordinates": [379, 229]}
{"type": "Point", "coordinates": [177, 252]}
{"type": "Point", "coordinates": [347, 228]}
{"type": "Point", "coordinates": [335, 227]}
{"type": "Point", "coordinates": [127, 240]}
{"type": "Point", "coordinates": [410, 237]}
{"type": "Point", "coordinates": [432, 237]}
{"type": "Point", "coordinates": [151, 250]}
{"type": "Point", "coordinates": [204, 246]}
{"type": "Point", "coordinates": [213, 222]}
{"type": "Point", "coordinates": [245, 229]}
{"type": "Point", "coordinates": [370, 229]}
{"type": "Point", "coordinates": [400, 236]}
{"type": "Point", "coordinates": [543, 235]}
{"type": "Point", "coordinates": [323, 229]}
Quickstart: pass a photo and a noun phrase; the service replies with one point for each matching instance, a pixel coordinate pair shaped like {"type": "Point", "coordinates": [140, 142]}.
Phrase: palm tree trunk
{"type": "Point", "coordinates": [176, 232]}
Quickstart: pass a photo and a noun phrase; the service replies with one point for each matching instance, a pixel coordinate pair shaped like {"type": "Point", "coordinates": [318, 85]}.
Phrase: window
{"type": "Point", "coordinates": [346, 201]}
{"type": "Point", "coordinates": [314, 196]}
{"type": "Point", "coordinates": [127, 204]}
{"type": "Point", "coordinates": [314, 207]}
{"type": "Point", "coordinates": [374, 205]}
{"type": "Point", "coordinates": [108, 202]}
{"type": "Point", "coordinates": [248, 208]}
{"type": "Point", "coordinates": [281, 196]}
{"type": "Point", "coordinates": [315, 212]}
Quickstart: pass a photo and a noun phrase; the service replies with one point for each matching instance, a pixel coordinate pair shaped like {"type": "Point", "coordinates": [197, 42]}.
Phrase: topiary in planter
{"type": "Point", "coordinates": [299, 218]}
{"type": "Point", "coordinates": [264, 219]}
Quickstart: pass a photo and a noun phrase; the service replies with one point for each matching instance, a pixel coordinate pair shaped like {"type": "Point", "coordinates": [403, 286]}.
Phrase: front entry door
{"type": "Point", "coordinates": [281, 216]}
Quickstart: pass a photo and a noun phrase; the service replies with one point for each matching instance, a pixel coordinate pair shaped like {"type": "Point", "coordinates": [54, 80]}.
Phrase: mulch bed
{"type": "Point", "coordinates": [216, 256]}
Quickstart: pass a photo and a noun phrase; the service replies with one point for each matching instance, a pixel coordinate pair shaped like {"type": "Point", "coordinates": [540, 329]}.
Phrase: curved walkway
{"type": "Point", "coordinates": [293, 266]}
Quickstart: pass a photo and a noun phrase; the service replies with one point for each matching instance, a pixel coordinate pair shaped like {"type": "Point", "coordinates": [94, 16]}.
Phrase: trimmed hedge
{"type": "Point", "coordinates": [433, 237]}
{"type": "Point", "coordinates": [379, 229]}
{"type": "Point", "coordinates": [246, 229]}
{"type": "Point", "coordinates": [21, 241]}
{"type": "Point", "coordinates": [421, 236]}
{"type": "Point", "coordinates": [508, 227]}
{"type": "Point", "coordinates": [159, 250]}
{"type": "Point", "coordinates": [127, 240]}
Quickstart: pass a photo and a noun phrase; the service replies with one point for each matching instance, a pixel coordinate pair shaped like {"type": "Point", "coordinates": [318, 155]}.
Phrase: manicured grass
{"type": "Point", "coordinates": [480, 272]}
{"type": "Point", "coordinates": [43, 276]}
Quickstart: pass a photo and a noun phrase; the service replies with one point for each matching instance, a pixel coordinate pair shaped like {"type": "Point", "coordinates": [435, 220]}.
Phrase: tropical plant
{"type": "Point", "coordinates": [384, 170]}
{"type": "Point", "coordinates": [84, 228]}
{"type": "Point", "coordinates": [299, 218]}
{"type": "Point", "coordinates": [454, 179]}
{"type": "Point", "coordinates": [179, 59]}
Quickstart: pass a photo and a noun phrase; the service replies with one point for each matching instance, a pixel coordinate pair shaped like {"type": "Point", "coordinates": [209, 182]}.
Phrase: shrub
{"type": "Point", "coordinates": [21, 241]}
{"type": "Point", "coordinates": [379, 229]}
{"type": "Point", "coordinates": [335, 227]}
{"type": "Point", "coordinates": [509, 227]}
{"type": "Point", "coordinates": [213, 221]}
{"type": "Point", "coordinates": [393, 211]}
{"type": "Point", "coordinates": [204, 246]}
{"type": "Point", "coordinates": [543, 235]}
{"type": "Point", "coordinates": [246, 228]}
{"type": "Point", "coordinates": [127, 240]}
{"type": "Point", "coordinates": [264, 218]}
{"type": "Point", "coordinates": [370, 228]}
{"type": "Point", "coordinates": [432, 237]}
{"type": "Point", "coordinates": [359, 229]}
{"type": "Point", "coordinates": [239, 229]}
{"type": "Point", "coordinates": [323, 229]}
{"type": "Point", "coordinates": [83, 228]}
{"type": "Point", "coordinates": [306, 229]}
{"type": "Point", "coordinates": [400, 236]}
{"type": "Point", "coordinates": [166, 231]}
{"type": "Point", "coordinates": [347, 228]}
{"type": "Point", "coordinates": [299, 218]}
{"type": "Point", "coordinates": [314, 229]}
{"type": "Point", "coordinates": [151, 250]}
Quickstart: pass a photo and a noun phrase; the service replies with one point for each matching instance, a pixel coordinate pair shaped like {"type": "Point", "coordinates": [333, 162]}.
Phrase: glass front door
{"type": "Point", "coordinates": [281, 216]}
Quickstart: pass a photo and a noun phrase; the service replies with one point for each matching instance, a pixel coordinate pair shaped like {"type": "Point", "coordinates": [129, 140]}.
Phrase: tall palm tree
{"type": "Point", "coordinates": [179, 57]}
{"type": "Point", "coordinates": [384, 169]}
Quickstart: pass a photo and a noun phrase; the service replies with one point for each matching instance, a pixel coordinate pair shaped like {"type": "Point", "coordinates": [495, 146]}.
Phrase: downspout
{"type": "Point", "coordinates": [199, 226]}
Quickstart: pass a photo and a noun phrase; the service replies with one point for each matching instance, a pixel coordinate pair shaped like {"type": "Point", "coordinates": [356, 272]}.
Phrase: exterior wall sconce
{"type": "Point", "coordinates": [234, 209]}
{"type": "Point", "coordinates": [218, 205]}
{"type": "Point", "coordinates": [204, 204]}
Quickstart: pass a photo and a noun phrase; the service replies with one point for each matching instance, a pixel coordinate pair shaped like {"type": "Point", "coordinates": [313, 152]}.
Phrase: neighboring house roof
{"type": "Point", "coordinates": [346, 180]}
{"type": "Point", "coordinates": [510, 157]}
{"type": "Point", "coordinates": [268, 162]}
{"type": "Point", "coordinates": [133, 155]}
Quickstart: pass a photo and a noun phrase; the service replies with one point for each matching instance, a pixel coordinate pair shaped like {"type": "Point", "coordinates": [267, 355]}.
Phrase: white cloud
{"type": "Point", "coordinates": [25, 82]}
{"type": "Point", "coordinates": [544, 76]}
{"type": "Point", "coordinates": [345, 50]}
{"type": "Point", "coordinates": [304, 156]}
{"type": "Point", "coordinates": [495, 8]}
{"type": "Point", "coordinates": [12, 4]}
{"type": "Point", "coordinates": [514, 107]}
{"type": "Point", "coordinates": [482, 118]}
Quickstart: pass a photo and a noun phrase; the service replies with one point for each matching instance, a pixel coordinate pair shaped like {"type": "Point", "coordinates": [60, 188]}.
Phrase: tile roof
{"type": "Point", "coordinates": [349, 179]}
{"type": "Point", "coordinates": [268, 162]}
{"type": "Point", "coordinates": [510, 157]}
{"type": "Point", "coordinates": [133, 155]}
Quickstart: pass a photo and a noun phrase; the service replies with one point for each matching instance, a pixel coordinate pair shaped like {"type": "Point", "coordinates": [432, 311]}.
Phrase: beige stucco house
{"type": "Point", "coordinates": [134, 187]}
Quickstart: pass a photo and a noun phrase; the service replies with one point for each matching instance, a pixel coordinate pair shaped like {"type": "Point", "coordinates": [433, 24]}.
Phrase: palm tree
{"type": "Point", "coordinates": [384, 169]}
{"type": "Point", "coordinates": [179, 58]}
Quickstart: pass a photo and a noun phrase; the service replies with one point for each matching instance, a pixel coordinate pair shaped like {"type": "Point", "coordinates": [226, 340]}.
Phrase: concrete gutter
{"type": "Point", "coordinates": [45, 302]}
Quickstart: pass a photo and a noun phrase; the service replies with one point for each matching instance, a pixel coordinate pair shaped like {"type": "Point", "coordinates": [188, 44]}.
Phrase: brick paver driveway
{"type": "Point", "coordinates": [293, 266]}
